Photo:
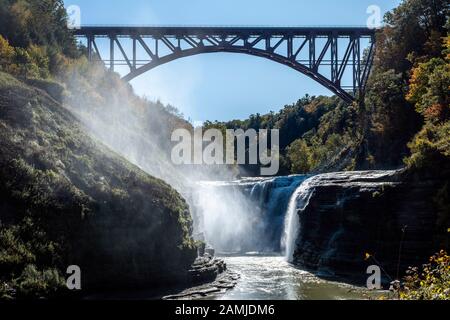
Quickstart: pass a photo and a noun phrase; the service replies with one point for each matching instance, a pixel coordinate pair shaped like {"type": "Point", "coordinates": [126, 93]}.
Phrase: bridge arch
{"type": "Point", "coordinates": [246, 40]}
{"type": "Point", "coordinates": [241, 50]}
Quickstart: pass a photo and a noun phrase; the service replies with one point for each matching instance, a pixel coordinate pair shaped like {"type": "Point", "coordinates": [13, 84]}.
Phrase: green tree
{"type": "Point", "coordinates": [43, 23]}
{"type": "Point", "coordinates": [299, 156]}
{"type": "Point", "coordinates": [429, 86]}
{"type": "Point", "coordinates": [391, 121]}
{"type": "Point", "coordinates": [413, 30]}
{"type": "Point", "coordinates": [430, 148]}
{"type": "Point", "coordinates": [428, 91]}
{"type": "Point", "coordinates": [6, 55]}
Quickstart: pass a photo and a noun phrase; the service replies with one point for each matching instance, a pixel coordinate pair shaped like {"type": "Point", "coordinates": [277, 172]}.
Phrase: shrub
{"type": "Point", "coordinates": [14, 253]}
{"type": "Point", "coordinates": [39, 58]}
{"type": "Point", "coordinates": [6, 53]}
{"type": "Point", "coordinates": [430, 146]}
{"type": "Point", "coordinates": [432, 282]}
{"type": "Point", "coordinates": [6, 292]}
{"type": "Point", "coordinates": [33, 283]}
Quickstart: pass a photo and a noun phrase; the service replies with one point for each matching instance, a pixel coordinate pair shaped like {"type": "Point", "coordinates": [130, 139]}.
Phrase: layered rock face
{"type": "Point", "coordinates": [384, 213]}
{"type": "Point", "coordinates": [206, 268]}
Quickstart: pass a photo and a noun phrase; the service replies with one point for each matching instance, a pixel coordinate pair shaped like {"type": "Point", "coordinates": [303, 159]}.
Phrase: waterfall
{"type": "Point", "coordinates": [246, 215]}
{"type": "Point", "coordinates": [260, 191]}
{"type": "Point", "coordinates": [298, 202]}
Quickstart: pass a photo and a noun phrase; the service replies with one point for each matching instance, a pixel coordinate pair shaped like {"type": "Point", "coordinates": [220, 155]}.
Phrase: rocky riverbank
{"type": "Point", "coordinates": [224, 282]}
{"type": "Point", "coordinates": [209, 275]}
{"type": "Point", "coordinates": [206, 268]}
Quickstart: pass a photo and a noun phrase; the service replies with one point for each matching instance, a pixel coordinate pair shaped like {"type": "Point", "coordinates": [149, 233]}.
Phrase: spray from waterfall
{"type": "Point", "coordinates": [297, 204]}
{"type": "Point", "coordinates": [244, 216]}
{"type": "Point", "coordinates": [230, 221]}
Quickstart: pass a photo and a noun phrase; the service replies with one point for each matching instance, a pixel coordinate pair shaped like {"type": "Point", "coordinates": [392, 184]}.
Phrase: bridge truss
{"type": "Point", "coordinates": [324, 54]}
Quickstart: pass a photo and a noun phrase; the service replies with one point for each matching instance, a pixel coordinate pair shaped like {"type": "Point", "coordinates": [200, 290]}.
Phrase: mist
{"type": "Point", "coordinates": [140, 131]}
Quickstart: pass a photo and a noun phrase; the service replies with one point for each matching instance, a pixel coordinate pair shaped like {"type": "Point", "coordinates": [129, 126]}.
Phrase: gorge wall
{"type": "Point", "coordinates": [67, 199]}
{"type": "Point", "coordinates": [383, 213]}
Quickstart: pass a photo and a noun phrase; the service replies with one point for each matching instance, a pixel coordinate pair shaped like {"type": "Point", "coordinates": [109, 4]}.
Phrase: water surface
{"type": "Point", "coordinates": [272, 278]}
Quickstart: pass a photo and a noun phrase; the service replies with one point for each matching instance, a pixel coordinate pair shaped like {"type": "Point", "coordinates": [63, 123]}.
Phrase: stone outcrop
{"type": "Point", "coordinates": [224, 282]}
{"type": "Point", "coordinates": [387, 214]}
{"type": "Point", "coordinates": [206, 269]}
{"type": "Point", "coordinates": [209, 276]}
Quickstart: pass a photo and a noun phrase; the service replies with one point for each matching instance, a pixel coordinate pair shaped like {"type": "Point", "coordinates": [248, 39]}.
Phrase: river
{"type": "Point", "coordinates": [272, 278]}
{"type": "Point", "coordinates": [261, 278]}
{"type": "Point", "coordinates": [261, 215]}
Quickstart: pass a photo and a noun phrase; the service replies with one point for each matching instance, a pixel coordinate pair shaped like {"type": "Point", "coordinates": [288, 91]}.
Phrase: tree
{"type": "Point", "coordinates": [391, 120]}
{"type": "Point", "coordinates": [429, 85]}
{"type": "Point", "coordinates": [43, 23]}
{"type": "Point", "coordinates": [299, 156]}
{"type": "Point", "coordinates": [428, 91]}
{"type": "Point", "coordinates": [6, 54]}
{"type": "Point", "coordinates": [413, 31]}
{"type": "Point", "coordinates": [430, 148]}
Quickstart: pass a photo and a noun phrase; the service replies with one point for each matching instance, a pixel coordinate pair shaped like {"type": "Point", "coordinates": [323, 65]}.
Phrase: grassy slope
{"type": "Point", "coordinates": [67, 199]}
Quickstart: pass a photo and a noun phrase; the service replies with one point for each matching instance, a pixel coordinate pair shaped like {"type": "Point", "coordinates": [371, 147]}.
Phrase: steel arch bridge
{"type": "Point", "coordinates": [324, 54]}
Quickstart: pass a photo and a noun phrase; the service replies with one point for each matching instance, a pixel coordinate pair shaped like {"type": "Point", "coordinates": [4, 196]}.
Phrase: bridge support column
{"type": "Point", "coordinates": [111, 52]}
{"type": "Point", "coordinates": [312, 51]}
{"type": "Point", "coordinates": [290, 50]}
{"type": "Point", "coordinates": [334, 58]}
{"type": "Point", "coordinates": [134, 54]}
{"type": "Point", "coordinates": [356, 65]}
{"type": "Point", "coordinates": [90, 47]}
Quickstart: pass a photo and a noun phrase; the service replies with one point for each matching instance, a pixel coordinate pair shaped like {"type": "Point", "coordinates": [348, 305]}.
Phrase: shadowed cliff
{"type": "Point", "coordinates": [393, 216]}
{"type": "Point", "coordinates": [67, 199]}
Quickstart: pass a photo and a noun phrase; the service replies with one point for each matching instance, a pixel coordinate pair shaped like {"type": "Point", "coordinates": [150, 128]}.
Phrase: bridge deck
{"type": "Point", "coordinates": [221, 30]}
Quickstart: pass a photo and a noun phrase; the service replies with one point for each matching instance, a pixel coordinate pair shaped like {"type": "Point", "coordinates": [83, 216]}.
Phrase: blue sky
{"type": "Point", "coordinates": [225, 86]}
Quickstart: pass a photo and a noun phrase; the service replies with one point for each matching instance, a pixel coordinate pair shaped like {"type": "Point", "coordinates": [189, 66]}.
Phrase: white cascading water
{"type": "Point", "coordinates": [299, 201]}
{"type": "Point", "coordinates": [246, 215]}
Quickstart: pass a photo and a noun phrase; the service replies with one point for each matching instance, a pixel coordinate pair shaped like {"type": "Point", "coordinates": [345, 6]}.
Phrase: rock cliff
{"type": "Point", "coordinates": [66, 199]}
{"type": "Point", "coordinates": [388, 214]}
